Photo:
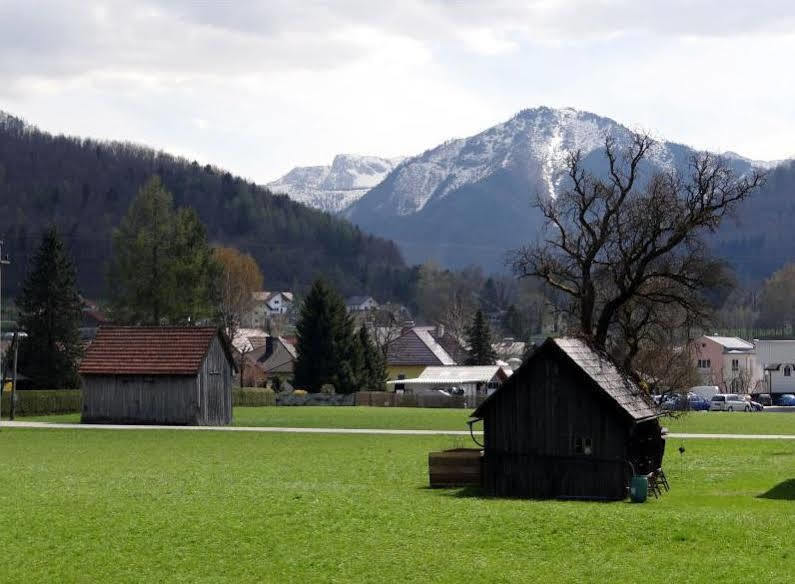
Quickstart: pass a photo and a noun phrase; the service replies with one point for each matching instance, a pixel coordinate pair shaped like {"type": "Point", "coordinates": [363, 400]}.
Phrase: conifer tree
{"type": "Point", "coordinates": [374, 373]}
{"type": "Point", "coordinates": [50, 312]}
{"type": "Point", "coordinates": [162, 267]}
{"type": "Point", "coordinates": [328, 351]}
{"type": "Point", "coordinates": [481, 351]}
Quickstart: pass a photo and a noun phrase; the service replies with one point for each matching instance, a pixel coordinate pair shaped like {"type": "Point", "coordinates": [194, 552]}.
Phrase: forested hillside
{"type": "Point", "coordinates": [760, 239]}
{"type": "Point", "coordinates": [85, 186]}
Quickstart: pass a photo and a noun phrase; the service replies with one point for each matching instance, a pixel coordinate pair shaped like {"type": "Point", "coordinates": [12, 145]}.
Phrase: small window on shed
{"type": "Point", "coordinates": [552, 368]}
{"type": "Point", "coordinates": [583, 445]}
{"type": "Point", "coordinates": [787, 371]}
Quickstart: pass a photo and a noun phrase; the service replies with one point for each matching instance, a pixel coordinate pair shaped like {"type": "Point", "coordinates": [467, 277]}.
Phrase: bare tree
{"type": "Point", "coordinates": [385, 324]}
{"type": "Point", "coordinates": [623, 241]}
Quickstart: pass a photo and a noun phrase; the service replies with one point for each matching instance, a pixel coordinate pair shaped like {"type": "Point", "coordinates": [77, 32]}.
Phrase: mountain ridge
{"type": "Point", "coordinates": [85, 186]}
{"type": "Point", "coordinates": [469, 200]}
{"type": "Point", "coordinates": [335, 187]}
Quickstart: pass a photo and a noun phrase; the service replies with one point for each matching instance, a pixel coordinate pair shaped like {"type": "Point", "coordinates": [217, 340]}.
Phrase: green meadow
{"type": "Point", "coordinates": [176, 506]}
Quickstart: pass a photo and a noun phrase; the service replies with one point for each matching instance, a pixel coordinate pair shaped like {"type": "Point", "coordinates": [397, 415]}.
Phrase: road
{"type": "Point", "coordinates": [369, 431]}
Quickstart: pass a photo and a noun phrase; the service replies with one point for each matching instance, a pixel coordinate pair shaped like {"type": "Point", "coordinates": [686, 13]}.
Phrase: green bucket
{"type": "Point", "coordinates": [638, 489]}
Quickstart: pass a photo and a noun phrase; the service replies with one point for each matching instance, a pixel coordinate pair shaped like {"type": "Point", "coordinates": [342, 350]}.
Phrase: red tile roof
{"type": "Point", "coordinates": [133, 350]}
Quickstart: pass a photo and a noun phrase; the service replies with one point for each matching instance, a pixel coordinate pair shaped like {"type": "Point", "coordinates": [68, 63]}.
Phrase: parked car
{"type": "Point", "coordinates": [783, 399]}
{"type": "Point", "coordinates": [762, 398]}
{"type": "Point", "coordinates": [729, 402]}
{"type": "Point", "coordinates": [679, 402]}
{"type": "Point", "coordinates": [705, 391]}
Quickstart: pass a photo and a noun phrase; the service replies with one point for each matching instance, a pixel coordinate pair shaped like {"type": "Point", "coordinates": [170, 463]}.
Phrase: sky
{"type": "Point", "coordinates": [260, 87]}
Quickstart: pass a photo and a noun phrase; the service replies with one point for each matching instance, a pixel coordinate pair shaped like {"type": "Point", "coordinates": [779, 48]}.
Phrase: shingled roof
{"type": "Point", "coordinates": [130, 350]}
{"type": "Point", "coordinates": [417, 346]}
{"type": "Point", "coordinates": [605, 374]}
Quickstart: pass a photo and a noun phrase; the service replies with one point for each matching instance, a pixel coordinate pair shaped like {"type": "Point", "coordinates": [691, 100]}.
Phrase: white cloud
{"type": "Point", "coordinates": [259, 87]}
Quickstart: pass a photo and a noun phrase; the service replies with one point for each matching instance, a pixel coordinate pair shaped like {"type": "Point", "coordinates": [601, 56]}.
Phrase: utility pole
{"type": "Point", "coordinates": [13, 405]}
{"type": "Point", "coordinates": [3, 262]}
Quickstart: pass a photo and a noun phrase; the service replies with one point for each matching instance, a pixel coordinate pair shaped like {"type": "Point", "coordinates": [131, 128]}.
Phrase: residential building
{"type": "Point", "coordinates": [727, 362]}
{"type": "Point", "coordinates": [266, 305]}
{"type": "Point", "coordinates": [275, 358]}
{"type": "Point", "coordinates": [776, 359]}
{"type": "Point", "coordinates": [474, 380]}
{"type": "Point", "coordinates": [420, 347]}
{"type": "Point", "coordinates": [361, 303]}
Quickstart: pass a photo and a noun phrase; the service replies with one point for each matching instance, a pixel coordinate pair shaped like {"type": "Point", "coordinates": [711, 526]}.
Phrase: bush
{"type": "Point", "coordinates": [43, 402]}
{"type": "Point", "coordinates": [253, 396]}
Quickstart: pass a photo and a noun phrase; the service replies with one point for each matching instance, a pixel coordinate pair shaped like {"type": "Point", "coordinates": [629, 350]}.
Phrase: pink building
{"type": "Point", "coordinates": [728, 362]}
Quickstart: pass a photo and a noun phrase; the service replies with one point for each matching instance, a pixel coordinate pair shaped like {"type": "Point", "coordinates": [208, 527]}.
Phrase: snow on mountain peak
{"type": "Point", "coordinates": [534, 140]}
{"type": "Point", "coordinates": [334, 188]}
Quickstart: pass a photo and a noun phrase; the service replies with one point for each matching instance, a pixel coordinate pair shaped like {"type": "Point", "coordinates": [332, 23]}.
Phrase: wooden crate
{"type": "Point", "coordinates": [458, 467]}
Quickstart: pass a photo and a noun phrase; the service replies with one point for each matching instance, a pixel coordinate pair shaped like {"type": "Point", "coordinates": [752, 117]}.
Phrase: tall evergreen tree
{"type": "Point", "coordinates": [481, 351]}
{"type": "Point", "coordinates": [50, 312]}
{"type": "Point", "coordinates": [162, 267]}
{"type": "Point", "coordinates": [328, 351]}
{"type": "Point", "coordinates": [374, 374]}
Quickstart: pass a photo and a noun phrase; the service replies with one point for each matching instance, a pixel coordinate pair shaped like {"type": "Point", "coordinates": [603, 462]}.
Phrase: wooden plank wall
{"type": "Point", "coordinates": [530, 430]}
{"type": "Point", "coordinates": [214, 387]}
{"type": "Point", "coordinates": [139, 399]}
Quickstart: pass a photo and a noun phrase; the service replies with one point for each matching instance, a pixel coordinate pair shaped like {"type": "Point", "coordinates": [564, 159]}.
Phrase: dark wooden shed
{"type": "Point", "coordinates": [157, 375]}
{"type": "Point", "coordinates": [568, 424]}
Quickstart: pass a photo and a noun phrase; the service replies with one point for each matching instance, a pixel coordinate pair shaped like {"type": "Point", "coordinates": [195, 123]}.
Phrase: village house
{"type": "Point", "coordinates": [266, 305]}
{"type": "Point", "coordinates": [727, 362]}
{"type": "Point", "coordinates": [473, 380]}
{"type": "Point", "coordinates": [274, 358]}
{"type": "Point", "coordinates": [568, 424]}
{"type": "Point", "coordinates": [420, 347]}
{"type": "Point", "coordinates": [776, 360]}
{"type": "Point", "coordinates": [361, 303]}
{"type": "Point", "coordinates": [157, 375]}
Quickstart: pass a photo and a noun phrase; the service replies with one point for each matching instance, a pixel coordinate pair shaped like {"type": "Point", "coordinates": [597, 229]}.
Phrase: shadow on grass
{"type": "Point", "coordinates": [784, 490]}
{"type": "Point", "coordinates": [459, 492]}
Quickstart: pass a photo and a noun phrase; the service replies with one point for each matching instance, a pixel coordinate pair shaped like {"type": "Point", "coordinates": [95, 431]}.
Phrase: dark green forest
{"type": "Point", "coordinates": [85, 186]}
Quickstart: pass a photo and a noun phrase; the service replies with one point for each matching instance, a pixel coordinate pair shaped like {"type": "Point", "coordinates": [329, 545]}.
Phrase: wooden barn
{"type": "Point", "coordinates": [157, 375]}
{"type": "Point", "coordinates": [568, 424]}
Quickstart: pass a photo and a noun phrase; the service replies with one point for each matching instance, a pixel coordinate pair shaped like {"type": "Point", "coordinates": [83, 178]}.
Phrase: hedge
{"type": "Point", "coordinates": [253, 396]}
{"type": "Point", "coordinates": [42, 402]}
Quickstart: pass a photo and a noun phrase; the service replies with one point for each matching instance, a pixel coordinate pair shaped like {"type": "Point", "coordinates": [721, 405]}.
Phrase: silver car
{"type": "Point", "coordinates": [729, 402]}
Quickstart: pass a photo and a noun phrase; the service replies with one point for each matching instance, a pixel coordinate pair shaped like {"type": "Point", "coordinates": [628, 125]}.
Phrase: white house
{"type": "Point", "coordinates": [475, 380]}
{"type": "Point", "coordinates": [361, 303]}
{"type": "Point", "coordinates": [777, 360]}
{"type": "Point", "coordinates": [267, 304]}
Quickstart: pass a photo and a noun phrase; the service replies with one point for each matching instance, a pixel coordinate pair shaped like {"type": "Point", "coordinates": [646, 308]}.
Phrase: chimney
{"type": "Point", "coordinates": [440, 330]}
{"type": "Point", "coordinates": [269, 346]}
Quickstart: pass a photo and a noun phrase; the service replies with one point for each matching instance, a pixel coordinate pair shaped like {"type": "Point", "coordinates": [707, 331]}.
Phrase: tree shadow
{"type": "Point", "coordinates": [785, 490]}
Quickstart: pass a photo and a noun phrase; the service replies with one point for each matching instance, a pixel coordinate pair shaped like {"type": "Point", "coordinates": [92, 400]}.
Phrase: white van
{"type": "Point", "coordinates": [729, 402]}
{"type": "Point", "coordinates": [705, 391]}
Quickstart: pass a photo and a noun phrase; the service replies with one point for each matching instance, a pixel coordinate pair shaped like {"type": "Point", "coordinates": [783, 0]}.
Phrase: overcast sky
{"type": "Point", "coordinates": [260, 87]}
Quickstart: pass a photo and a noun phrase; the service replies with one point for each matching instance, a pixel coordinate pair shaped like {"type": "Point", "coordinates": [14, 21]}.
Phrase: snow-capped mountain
{"type": "Point", "coordinates": [334, 188]}
{"type": "Point", "coordinates": [470, 200]}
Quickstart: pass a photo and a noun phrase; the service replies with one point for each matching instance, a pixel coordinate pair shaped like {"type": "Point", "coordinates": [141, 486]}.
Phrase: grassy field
{"type": "Point", "coordinates": [455, 419]}
{"type": "Point", "coordinates": [173, 506]}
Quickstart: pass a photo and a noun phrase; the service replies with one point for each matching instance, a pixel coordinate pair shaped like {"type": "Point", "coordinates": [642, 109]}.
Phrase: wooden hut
{"type": "Point", "coordinates": [568, 424]}
{"type": "Point", "coordinates": [157, 375]}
